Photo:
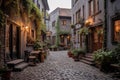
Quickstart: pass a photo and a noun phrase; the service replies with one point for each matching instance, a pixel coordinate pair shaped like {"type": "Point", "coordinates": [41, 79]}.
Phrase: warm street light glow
{"type": "Point", "coordinates": [89, 21]}
{"type": "Point", "coordinates": [26, 27]}
{"type": "Point", "coordinates": [86, 21]}
{"type": "Point", "coordinates": [68, 37]}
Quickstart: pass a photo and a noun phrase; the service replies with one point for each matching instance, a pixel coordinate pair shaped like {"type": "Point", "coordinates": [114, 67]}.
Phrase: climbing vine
{"type": "Point", "coordinates": [84, 31]}
{"type": "Point", "coordinates": [27, 7]}
{"type": "Point", "coordinates": [2, 19]}
{"type": "Point", "coordinates": [57, 33]}
{"type": "Point", "coordinates": [64, 32]}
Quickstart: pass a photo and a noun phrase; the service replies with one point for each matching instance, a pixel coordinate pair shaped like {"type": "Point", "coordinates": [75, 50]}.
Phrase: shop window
{"type": "Point", "coordinates": [116, 32]}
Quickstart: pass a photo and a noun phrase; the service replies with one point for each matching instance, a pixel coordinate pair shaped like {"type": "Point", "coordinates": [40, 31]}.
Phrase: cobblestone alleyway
{"type": "Point", "coordinates": [59, 67]}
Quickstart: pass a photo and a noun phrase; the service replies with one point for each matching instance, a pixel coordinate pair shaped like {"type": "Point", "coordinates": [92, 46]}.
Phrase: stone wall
{"type": "Point", "coordinates": [2, 48]}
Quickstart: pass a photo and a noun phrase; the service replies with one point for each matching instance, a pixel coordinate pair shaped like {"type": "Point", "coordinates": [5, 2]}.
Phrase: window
{"type": "Point", "coordinates": [117, 30]}
{"type": "Point", "coordinates": [78, 16]}
{"type": "Point", "coordinates": [96, 6]}
{"type": "Point", "coordinates": [91, 8]}
{"type": "Point", "coordinates": [64, 22]}
{"type": "Point", "coordinates": [83, 12]}
{"type": "Point", "coordinates": [53, 23]}
{"type": "Point", "coordinates": [73, 18]}
{"type": "Point", "coordinates": [32, 31]}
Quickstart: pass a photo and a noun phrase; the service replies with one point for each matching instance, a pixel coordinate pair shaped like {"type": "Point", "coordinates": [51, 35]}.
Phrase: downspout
{"type": "Point", "coordinates": [105, 26]}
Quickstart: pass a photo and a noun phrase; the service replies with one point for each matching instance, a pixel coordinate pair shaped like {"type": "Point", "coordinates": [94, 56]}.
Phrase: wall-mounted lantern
{"type": "Point", "coordinates": [89, 22]}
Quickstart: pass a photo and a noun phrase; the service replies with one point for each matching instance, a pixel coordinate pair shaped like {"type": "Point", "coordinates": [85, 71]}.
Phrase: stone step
{"type": "Point", "coordinates": [89, 56]}
{"type": "Point", "coordinates": [88, 59]}
{"type": "Point", "coordinates": [12, 64]}
{"type": "Point", "coordinates": [87, 62]}
{"type": "Point", "coordinates": [20, 66]}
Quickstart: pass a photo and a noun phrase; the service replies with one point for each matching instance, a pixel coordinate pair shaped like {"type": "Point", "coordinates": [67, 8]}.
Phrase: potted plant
{"type": "Point", "coordinates": [54, 47]}
{"type": "Point", "coordinates": [70, 53]}
{"type": "Point", "coordinates": [81, 53]}
{"type": "Point", "coordinates": [75, 54]}
{"type": "Point", "coordinates": [42, 56]}
{"type": "Point", "coordinates": [36, 45]}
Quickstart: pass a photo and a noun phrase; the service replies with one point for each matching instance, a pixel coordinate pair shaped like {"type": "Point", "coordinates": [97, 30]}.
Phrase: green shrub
{"type": "Point", "coordinates": [36, 45]}
{"type": "Point", "coordinates": [54, 46]}
{"type": "Point", "coordinates": [81, 51]}
{"type": "Point", "coordinates": [76, 52]}
{"type": "Point", "coordinates": [116, 54]}
{"type": "Point", "coordinates": [102, 56]}
{"type": "Point", "coordinates": [103, 59]}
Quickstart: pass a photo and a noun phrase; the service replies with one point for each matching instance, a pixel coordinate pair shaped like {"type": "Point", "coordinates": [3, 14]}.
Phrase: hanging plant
{"type": "Point", "coordinates": [100, 32]}
{"type": "Point", "coordinates": [84, 31]}
{"type": "Point", "coordinates": [72, 26]}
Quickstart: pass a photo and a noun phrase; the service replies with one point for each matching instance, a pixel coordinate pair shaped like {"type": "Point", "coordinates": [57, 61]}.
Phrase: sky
{"type": "Point", "coordinates": [53, 4]}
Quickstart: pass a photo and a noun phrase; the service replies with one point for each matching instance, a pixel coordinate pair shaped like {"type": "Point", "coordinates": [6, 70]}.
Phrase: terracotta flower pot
{"type": "Point", "coordinates": [69, 54]}
{"type": "Point", "coordinates": [42, 58]}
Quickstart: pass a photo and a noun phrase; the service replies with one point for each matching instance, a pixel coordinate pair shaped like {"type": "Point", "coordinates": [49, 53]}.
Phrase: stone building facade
{"type": "Point", "coordinates": [89, 14]}
{"type": "Point", "coordinates": [44, 8]}
{"type": "Point", "coordinates": [60, 19]}
{"type": "Point", "coordinates": [113, 23]}
{"type": "Point", "coordinates": [19, 29]}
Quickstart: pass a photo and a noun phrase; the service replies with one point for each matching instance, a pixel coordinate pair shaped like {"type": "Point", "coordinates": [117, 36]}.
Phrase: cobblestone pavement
{"type": "Point", "coordinates": [59, 67]}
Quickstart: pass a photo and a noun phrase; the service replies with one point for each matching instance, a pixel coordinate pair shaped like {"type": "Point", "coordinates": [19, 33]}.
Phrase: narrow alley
{"type": "Point", "coordinates": [59, 66]}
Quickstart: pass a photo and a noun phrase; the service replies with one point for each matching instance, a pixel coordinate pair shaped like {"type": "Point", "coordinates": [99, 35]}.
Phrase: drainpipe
{"type": "Point", "coordinates": [105, 25]}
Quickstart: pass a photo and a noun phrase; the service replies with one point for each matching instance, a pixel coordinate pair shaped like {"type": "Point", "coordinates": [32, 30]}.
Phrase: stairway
{"type": "Point", "coordinates": [88, 59]}
{"type": "Point", "coordinates": [17, 65]}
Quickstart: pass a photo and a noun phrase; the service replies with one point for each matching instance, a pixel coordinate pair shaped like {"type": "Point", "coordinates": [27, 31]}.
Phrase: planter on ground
{"type": "Point", "coordinates": [78, 54]}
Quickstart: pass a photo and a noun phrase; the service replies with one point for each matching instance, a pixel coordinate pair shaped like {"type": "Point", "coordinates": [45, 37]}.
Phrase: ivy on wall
{"type": "Point", "coordinates": [84, 31]}
{"type": "Point", "coordinates": [64, 32]}
{"type": "Point", "coordinates": [2, 19]}
{"type": "Point", "coordinates": [34, 12]}
{"type": "Point", "coordinates": [28, 7]}
{"type": "Point", "coordinates": [57, 33]}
